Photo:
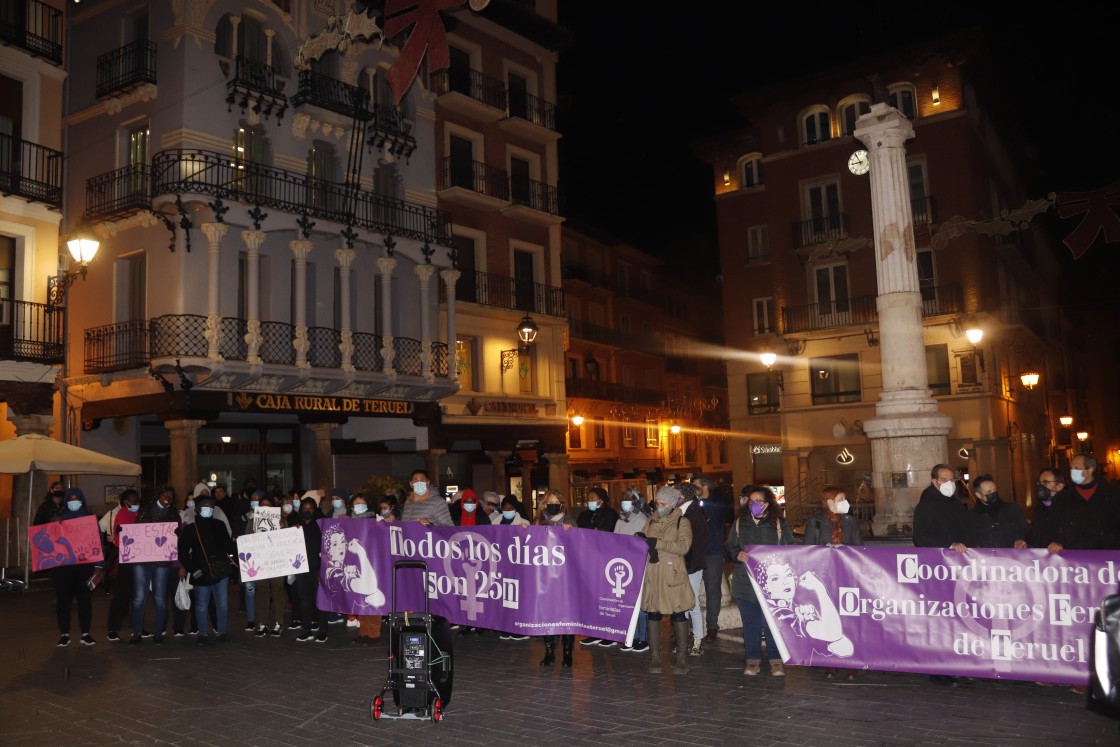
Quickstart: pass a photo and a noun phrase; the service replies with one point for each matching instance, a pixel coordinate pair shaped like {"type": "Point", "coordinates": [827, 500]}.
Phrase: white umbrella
{"type": "Point", "coordinates": [32, 451]}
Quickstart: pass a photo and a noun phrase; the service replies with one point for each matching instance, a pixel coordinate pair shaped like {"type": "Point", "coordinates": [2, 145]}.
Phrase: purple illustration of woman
{"type": "Point", "coordinates": [358, 579]}
{"type": "Point", "coordinates": [49, 557]}
{"type": "Point", "coordinates": [817, 619]}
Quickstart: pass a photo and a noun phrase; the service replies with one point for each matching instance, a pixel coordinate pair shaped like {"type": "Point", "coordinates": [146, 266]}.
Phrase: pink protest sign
{"type": "Point", "coordinates": [149, 543]}
{"type": "Point", "coordinates": [70, 542]}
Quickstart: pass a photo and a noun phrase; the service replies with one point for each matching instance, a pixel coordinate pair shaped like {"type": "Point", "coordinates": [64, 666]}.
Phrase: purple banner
{"type": "Point", "coordinates": [528, 580]}
{"type": "Point", "coordinates": [1003, 614]}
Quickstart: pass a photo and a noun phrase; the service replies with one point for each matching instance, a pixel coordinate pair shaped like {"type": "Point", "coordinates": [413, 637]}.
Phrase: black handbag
{"type": "Point", "coordinates": [220, 568]}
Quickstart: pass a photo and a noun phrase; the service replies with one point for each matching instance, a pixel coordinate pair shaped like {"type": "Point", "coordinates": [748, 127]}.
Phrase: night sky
{"type": "Point", "coordinates": [641, 81]}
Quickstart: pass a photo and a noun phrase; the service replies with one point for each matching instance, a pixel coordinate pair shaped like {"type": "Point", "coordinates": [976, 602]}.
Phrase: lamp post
{"type": "Point", "coordinates": [83, 245]}
{"type": "Point", "coordinates": [527, 331]}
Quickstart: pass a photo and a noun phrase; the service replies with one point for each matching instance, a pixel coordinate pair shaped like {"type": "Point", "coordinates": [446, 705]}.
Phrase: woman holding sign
{"type": "Point", "coordinates": [205, 547]}
{"type": "Point", "coordinates": [154, 575]}
{"type": "Point", "coordinates": [74, 580]}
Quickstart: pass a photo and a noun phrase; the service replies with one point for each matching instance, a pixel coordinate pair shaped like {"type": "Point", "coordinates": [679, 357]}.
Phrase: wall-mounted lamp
{"type": "Point", "coordinates": [1029, 379]}
{"type": "Point", "coordinates": [226, 439]}
{"type": "Point", "coordinates": [769, 359]}
{"type": "Point", "coordinates": [577, 420]}
{"type": "Point", "coordinates": [83, 245]}
{"type": "Point", "coordinates": [1083, 435]}
{"type": "Point", "coordinates": [872, 338]}
{"type": "Point", "coordinates": [974, 335]}
{"type": "Point", "coordinates": [674, 429]}
{"type": "Point", "coordinates": [727, 178]}
{"type": "Point", "coordinates": [936, 96]}
{"type": "Point", "coordinates": [527, 333]}
{"type": "Point", "coordinates": [591, 366]}
{"type": "Point", "coordinates": [1066, 421]}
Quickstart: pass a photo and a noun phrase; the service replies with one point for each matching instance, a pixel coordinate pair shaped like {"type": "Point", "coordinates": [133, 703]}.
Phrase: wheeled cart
{"type": "Point", "coordinates": [419, 658]}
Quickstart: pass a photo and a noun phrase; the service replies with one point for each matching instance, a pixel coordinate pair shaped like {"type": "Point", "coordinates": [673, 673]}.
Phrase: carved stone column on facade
{"type": "Point", "coordinates": [386, 265]}
{"type": "Point", "coordinates": [345, 259]}
{"type": "Point", "coordinates": [498, 462]}
{"type": "Point", "coordinates": [450, 277]}
{"type": "Point", "coordinates": [253, 241]}
{"type": "Point", "coordinates": [182, 471]}
{"type": "Point", "coordinates": [432, 465]}
{"type": "Point", "coordinates": [908, 433]}
{"type": "Point", "coordinates": [300, 249]}
{"type": "Point", "coordinates": [214, 233]}
{"type": "Point", "coordinates": [234, 22]}
{"type": "Point", "coordinates": [559, 473]}
{"type": "Point", "coordinates": [268, 34]}
{"type": "Point", "coordinates": [323, 458]}
{"type": "Point", "coordinates": [425, 272]}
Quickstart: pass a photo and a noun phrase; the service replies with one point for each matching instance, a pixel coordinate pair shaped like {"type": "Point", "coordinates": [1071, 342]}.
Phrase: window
{"type": "Point", "coordinates": [750, 171]}
{"type": "Point", "coordinates": [970, 371]}
{"type": "Point", "coordinates": [524, 280]}
{"type": "Point", "coordinates": [834, 379]}
{"type": "Point", "coordinates": [652, 441]}
{"type": "Point", "coordinates": [136, 143]}
{"type": "Point", "coordinates": [599, 431]}
{"type": "Point", "coordinates": [758, 245]}
{"type": "Point", "coordinates": [628, 376]}
{"type": "Point", "coordinates": [250, 146]}
{"type": "Point", "coordinates": [575, 435]}
{"type": "Point", "coordinates": [464, 352]}
{"type": "Point", "coordinates": [817, 126]}
{"type": "Point", "coordinates": [937, 369]}
{"type": "Point", "coordinates": [624, 325]}
{"type": "Point", "coordinates": [574, 368]}
{"type": "Point", "coordinates": [763, 315]}
{"type": "Point", "coordinates": [520, 181]}
{"type": "Point", "coordinates": [762, 393]}
{"type": "Point", "coordinates": [822, 206]}
{"type": "Point", "coordinates": [901, 96]}
{"type": "Point", "coordinates": [852, 111]}
{"type": "Point", "coordinates": [320, 174]}
{"type": "Point", "coordinates": [830, 284]}
{"type": "Point", "coordinates": [629, 437]}
{"type": "Point", "coordinates": [7, 275]}
{"type": "Point", "coordinates": [920, 206]}
{"type": "Point", "coordinates": [466, 288]}
{"type": "Point", "coordinates": [926, 281]}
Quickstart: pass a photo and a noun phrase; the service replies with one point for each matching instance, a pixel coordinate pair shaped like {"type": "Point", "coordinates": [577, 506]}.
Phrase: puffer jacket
{"type": "Point", "coordinates": [667, 589]}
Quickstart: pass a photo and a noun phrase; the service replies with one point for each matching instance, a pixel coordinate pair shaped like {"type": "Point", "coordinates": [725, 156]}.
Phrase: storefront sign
{"type": "Point", "coordinates": [767, 449]}
{"type": "Point", "coordinates": [501, 407]}
{"type": "Point", "coordinates": [308, 403]}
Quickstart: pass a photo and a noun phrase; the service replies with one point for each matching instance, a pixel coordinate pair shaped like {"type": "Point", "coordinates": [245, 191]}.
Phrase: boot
{"type": "Point", "coordinates": [549, 655]}
{"type": "Point", "coordinates": [569, 641]}
{"type": "Point", "coordinates": [680, 666]}
{"type": "Point", "coordinates": [654, 632]}
{"type": "Point", "coordinates": [777, 668]}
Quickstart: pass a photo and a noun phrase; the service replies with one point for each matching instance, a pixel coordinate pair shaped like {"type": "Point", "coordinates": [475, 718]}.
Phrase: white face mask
{"type": "Point", "coordinates": [420, 488]}
{"type": "Point", "coordinates": [948, 489]}
{"type": "Point", "coordinates": [627, 506]}
{"type": "Point", "coordinates": [360, 508]}
{"type": "Point", "coordinates": [1077, 475]}
{"type": "Point", "coordinates": [287, 508]}
{"type": "Point", "coordinates": [842, 506]}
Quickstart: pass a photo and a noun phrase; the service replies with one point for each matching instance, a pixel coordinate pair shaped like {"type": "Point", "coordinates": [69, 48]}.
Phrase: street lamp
{"type": "Point", "coordinates": [527, 333]}
{"type": "Point", "coordinates": [1066, 421]}
{"type": "Point", "coordinates": [83, 245]}
{"type": "Point", "coordinates": [1029, 379]}
{"type": "Point", "coordinates": [1083, 436]}
{"type": "Point", "coordinates": [974, 335]}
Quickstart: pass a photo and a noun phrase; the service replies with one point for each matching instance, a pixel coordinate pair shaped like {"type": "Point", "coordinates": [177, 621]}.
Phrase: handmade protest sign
{"type": "Point", "coordinates": [535, 580]}
{"type": "Point", "coordinates": [265, 519]}
{"type": "Point", "coordinates": [70, 542]}
{"type": "Point", "coordinates": [281, 552]}
{"type": "Point", "coordinates": [1003, 614]}
{"type": "Point", "coordinates": [149, 543]}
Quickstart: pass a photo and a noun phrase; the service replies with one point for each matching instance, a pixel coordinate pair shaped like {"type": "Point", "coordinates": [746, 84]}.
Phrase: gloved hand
{"type": "Point", "coordinates": [640, 534]}
{"type": "Point", "coordinates": [652, 555]}
{"type": "Point", "coordinates": [651, 541]}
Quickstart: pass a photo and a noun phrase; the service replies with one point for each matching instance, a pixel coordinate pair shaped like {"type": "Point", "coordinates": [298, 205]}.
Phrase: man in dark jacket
{"type": "Point", "coordinates": [1092, 521]}
{"type": "Point", "coordinates": [715, 502]}
{"type": "Point", "coordinates": [695, 560]}
{"type": "Point", "coordinates": [1051, 498]}
{"type": "Point", "coordinates": [994, 521]}
{"type": "Point", "coordinates": [154, 575]}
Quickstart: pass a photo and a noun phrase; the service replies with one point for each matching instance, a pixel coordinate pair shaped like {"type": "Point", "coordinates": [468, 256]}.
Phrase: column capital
{"type": "Point", "coordinates": [450, 276]}
{"type": "Point", "coordinates": [345, 257]}
{"type": "Point", "coordinates": [253, 239]}
{"type": "Point", "coordinates": [300, 248]}
{"type": "Point", "coordinates": [214, 233]}
{"type": "Point", "coordinates": [386, 265]}
{"type": "Point", "coordinates": [183, 426]}
{"type": "Point", "coordinates": [425, 272]}
{"type": "Point", "coordinates": [883, 127]}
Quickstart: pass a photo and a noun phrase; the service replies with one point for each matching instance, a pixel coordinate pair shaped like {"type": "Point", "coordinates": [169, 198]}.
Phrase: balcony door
{"type": "Point", "coordinates": [524, 280]}
{"type": "Point", "coordinates": [833, 301]}
{"type": "Point", "coordinates": [462, 161]}
{"type": "Point", "coordinates": [520, 181]}
{"type": "Point", "coordinates": [459, 76]}
{"type": "Point", "coordinates": [132, 290]}
{"type": "Point", "coordinates": [11, 126]}
{"type": "Point", "coordinates": [823, 204]}
{"type": "Point", "coordinates": [466, 289]}
{"type": "Point", "coordinates": [518, 92]}
{"type": "Point", "coordinates": [7, 276]}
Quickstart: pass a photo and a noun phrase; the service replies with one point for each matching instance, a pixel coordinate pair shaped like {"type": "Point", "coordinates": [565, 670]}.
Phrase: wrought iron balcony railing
{"type": "Point", "coordinates": [533, 109]}
{"type": "Point", "coordinates": [472, 83]}
{"type": "Point", "coordinates": [534, 194]}
{"type": "Point", "coordinates": [592, 275]}
{"type": "Point", "coordinates": [473, 175]}
{"type": "Point", "coordinates": [333, 95]}
{"type": "Point", "coordinates": [819, 230]}
{"type": "Point", "coordinates": [34, 26]}
{"type": "Point", "coordinates": [119, 192]}
{"type": "Point", "coordinates": [582, 330]}
{"type": "Point", "coordinates": [132, 345]}
{"type": "Point", "coordinates": [923, 210]}
{"type": "Point", "coordinates": [30, 171]}
{"type": "Point", "coordinates": [611, 392]}
{"type": "Point", "coordinates": [862, 310]}
{"type": "Point", "coordinates": [126, 68]}
{"type": "Point", "coordinates": [505, 292]}
{"type": "Point", "coordinates": [218, 175]}
{"type": "Point", "coordinates": [254, 85]}
{"type": "Point", "coordinates": [387, 130]}
{"type": "Point", "coordinates": [30, 332]}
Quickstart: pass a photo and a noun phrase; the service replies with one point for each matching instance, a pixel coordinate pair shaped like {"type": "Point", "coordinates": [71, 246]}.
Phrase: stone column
{"type": "Point", "coordinates": [234, 22]}
{"type": "Point", "coordinates": [450, 277]}
{"type": "Point", "coordinates": [432, 465]}
{"type": "Point", "coordinates": [214, 233]}
{"type": "Point", "coordinates": [253, 241]}
{"type": "Point", "coordinates": [345, 259]}
{"type": "Point", "coordinates": [908, 433]}
{"type": "Point", "coordinates": [498, 460]}
{"type": "Point", "coordinates": [425, 272]}
{"type": "Point", "coordinates": [268, 34]}
{"type": "Point", "coordinates": [183, 468]}
{"type": "Point", "coordinates": [386, 266]}
{"type": "Point", "coordinates": [559, 473]}
{"type": "Point", "coordinates": [324, 461]}
{"type": "Point", "coordinates": [300, 249]}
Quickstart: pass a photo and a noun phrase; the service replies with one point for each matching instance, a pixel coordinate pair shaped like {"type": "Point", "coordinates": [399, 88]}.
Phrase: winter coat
{"type": "Point", "coordinates": [601, 519]}
{"type": "Point", "coordinates": [744, 532]}
{"type": "Point", "coordinates": [1002, 527]}
{"type": "Point", "coordinates": [696, 559]}
{"type": "Point", "coordinates": [201, 541]}
{"type": "Point", "coordinates": [939, 521]}
{"type": "Point", "coordinates": [667, 589]}
{"type": "Point", "coordinates": [818, 530]}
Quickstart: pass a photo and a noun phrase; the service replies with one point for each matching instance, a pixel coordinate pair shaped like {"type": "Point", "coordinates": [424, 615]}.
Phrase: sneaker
{"type": "Point", "coordinates": [626, 648]}
{"type": "Point", "coordinates": [194, 631]}
{"type": "Point", "coordinates": [320, 639]}
{"type": "Point", "coordinates": [314, 626]}
{"type": "Point", "coordinates": [64, 640]}
{"type": "Point", "coordinates": [607, 644]}
{"type": "Point", "coordinates": [179, 634]}
{"type": "Point", "coordinates": [277, 629]}
{"type": "Point", "coordinates": [295, 625]}
{"type": "Point", "coordinates": [135, 640]}
{"type": "Point", "coordinates": [261, 632]}
{"type": "Point", "coordinates": [223, 638]}
{"type": "Point", "coordinates": [304, 638]}
{"type": "Point", "coordinates": [455, 627]}
{"type": "Point", "coordinates": [697, 648]}
{"type": "Point", "coordinates": [158, 640]}
{"type": "Point", "coordinates": [505, 637]}
{"type": "Point", "coordinates": [112, 636]}
{"type": "Point", "coordinates": [87, 640]}
{"type": "Point", "coordinates": [352, 622]}
{"type": "Point", "coordinates": [514, 637]}
{"type": "Point", "coordinates": [146, 634]}
{"type": "Point", "coordinates": [640, 647]}
{"type": "Point", "coordinates": [250, 626]}
{"type": "Point", "coordinates": [712, 635]}
{"type": "Point", "coordinates": [590, 642]}
{"type": "Point", "coordinates": [335, 619]}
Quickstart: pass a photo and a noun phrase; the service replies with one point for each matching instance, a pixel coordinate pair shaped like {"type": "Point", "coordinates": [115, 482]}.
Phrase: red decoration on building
{"type": "Point", "coordinates": [427, 35]}
{"type": "Point", "coordinates": [1097, 207]}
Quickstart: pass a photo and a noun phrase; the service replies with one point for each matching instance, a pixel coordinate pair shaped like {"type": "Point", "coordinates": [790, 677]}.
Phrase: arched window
{"type": "Point", "coordinates": [751, 173]}
{"type": "Point", "coordinates": [902, 97]}
{"type": "Point", "coordinates": [851, 110]}
{"type": "Point", "coordinates": [816, 125]}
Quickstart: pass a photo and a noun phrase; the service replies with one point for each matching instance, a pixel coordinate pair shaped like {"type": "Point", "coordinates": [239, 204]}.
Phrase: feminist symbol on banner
{"type": "Point", "coordinates": [1097, 207]}
{"type": "Point", "coordinates": [619, 574]}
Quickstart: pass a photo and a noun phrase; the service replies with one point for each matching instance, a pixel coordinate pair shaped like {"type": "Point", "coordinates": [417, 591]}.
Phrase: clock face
{"type": "Point", "coordinates": [858, 163]}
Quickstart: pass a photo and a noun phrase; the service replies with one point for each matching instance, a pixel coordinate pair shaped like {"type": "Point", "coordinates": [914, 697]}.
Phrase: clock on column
{"type": "Point", "coordinates": [858, 163]}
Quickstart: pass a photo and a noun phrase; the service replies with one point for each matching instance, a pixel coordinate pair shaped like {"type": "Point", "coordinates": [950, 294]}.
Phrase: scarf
{"type": "Point", "coordinates": [469, 518]}
{"type": "Point", "coordinates": [837, 530]}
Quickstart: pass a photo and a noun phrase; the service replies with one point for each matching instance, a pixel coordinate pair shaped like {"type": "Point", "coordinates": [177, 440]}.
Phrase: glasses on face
{"type": "Point", "coordinates": [1048, 482]}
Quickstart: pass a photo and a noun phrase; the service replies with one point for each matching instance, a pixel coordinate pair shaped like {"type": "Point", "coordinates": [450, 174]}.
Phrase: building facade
{"type": "Point", "coordinates": [795, 232]}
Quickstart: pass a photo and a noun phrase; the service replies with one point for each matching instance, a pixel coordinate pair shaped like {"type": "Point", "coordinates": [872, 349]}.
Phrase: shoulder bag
{"type": "Point", "coordinates": [220, 568]}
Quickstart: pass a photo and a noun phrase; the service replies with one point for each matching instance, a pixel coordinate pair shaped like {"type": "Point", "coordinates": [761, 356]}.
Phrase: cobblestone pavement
{"type": "Point", "coordinates": [279, 692]}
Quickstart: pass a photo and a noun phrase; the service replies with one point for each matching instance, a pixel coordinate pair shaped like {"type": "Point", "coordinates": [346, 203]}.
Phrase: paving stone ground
{"type": "Point", "coordinates": [279, 692]}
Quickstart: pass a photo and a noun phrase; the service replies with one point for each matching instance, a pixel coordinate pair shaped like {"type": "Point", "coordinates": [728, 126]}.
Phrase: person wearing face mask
{"type": "Point", "coordinates": [52, 504]}
{"type": "Point", "coordinates": [465, 512]}
{"type": "Point", "coordinates": [74, 582]}
{"type": "Point", "coordinates": [340, 500]}
{"type": "Point", "coordinates": [369, 626]}
{"type": "Point", "coordinates": [269, 598]}
{"type": "Point", "coordinates": [1091, 520]}
{"type": "Point", "coordinates": [124, 575]}
{"type": "Point", "coordinates": [203, 546]}
{"type": "Point", "coordinates": [511, 513]}
{"type": "Point", "coordinates": [424, 504]}
{"type": "Point", "coordinates": [153, 576]}
{"type": "Point", "coordinates": [760, 522]}
{"type": "Point", "coordinates": [388, 509]}
{"type": "Point", "coordinates": [994, 521]}
{"type": "Point", "coordinates": [940, 519]}
{"type": "Point", "coordinates": [666, 590]}
{"type": "Point", "coordinates": [1051, 501]}
{"type": "Point", "coordinates": [492, 506]}
{"type": "Point", "coordinates": [599, 515]}
{"type": "Point", "coordinates": [715, 502]}
{"type": "Point", "coordinates": [313, 620]}
{"type": "Point", "coordinates": [553, 512]}
{"type": "Point", "coordinates": [631, 522]}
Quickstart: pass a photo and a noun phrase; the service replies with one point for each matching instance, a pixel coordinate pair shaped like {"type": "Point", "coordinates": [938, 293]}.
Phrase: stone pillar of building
{"type": "Point", "coordinates": [498, 460]}
{"type": "Point", "coordinates": [559, 473]}
{"type": "Point", "coordinates": [268, 34]}
{"type": "Point", "coordinates": [345, 258]}
{"type": "Point", "coordinates": [300, 249]}
{"type": "Point", "coordinates": [182, 470]}
{"type": "Point", "coordinates": [323, 466]}
{"type": "Point", "coordinates": [253, 241]}
{"type": "Point", "coordinates": [214, 233]}
{"type": "Point", "coordinates": [234, 22]}
{"type": "Point", "coordinates": [908, 433]}
{"type": "Point", "coordinates": [450, 277]}
{"type": "Point", "coordinates": [386, 266]}
{"type": "Point", "coordinates": [432, 465]}
{"type": "Point", "coordinates": [424, 273]}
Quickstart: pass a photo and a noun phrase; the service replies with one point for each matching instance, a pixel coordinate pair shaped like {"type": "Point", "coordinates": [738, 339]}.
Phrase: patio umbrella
{"type": "Point", "coordinates": [31, 452]}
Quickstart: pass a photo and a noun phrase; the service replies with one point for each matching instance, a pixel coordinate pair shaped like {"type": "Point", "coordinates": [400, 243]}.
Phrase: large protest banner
{"type": "Point", "coordinates": [281, 552]}
{"type": "Point", "coordinates": [1004, 614]}
{"type": "Point", "coordinates": [149, 543]}
{"type": "Point", "coordinates": [70, 542]}
{"type": "Point", "coordinates": [529, 580]}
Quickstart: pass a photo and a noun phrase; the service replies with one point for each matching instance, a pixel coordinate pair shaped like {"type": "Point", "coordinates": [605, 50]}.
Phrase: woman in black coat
{"type": "Point", "coordinates": [205, 550]}
{"type": "Point", "coordinates": [306, 585]}
{"type": "Point", "coordinates": [73, 581]}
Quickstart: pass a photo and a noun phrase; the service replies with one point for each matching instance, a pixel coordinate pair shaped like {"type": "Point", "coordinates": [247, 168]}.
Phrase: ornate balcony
{"type": "Point", "coordinates": [821, 230]}
{"type": "Point", "coordinates": [30, 171]}
{"type": "Point", "coordinates": [388, 131]}
{"type": "Point", "coordinates": [34, 26]}
{"type": "Point", "coordinates": [472, 183]}
{"type": "Point", "coordinates": [116, 347]}
{"type": "Point", "coordinates": [126, 68]}
{"type": "Point", "coordinates": [610, 392]}
{"type": "Point", "coordinates": [504, 292]}
{"type": "Point", "coordinates": [119, 193]}
{"type": "Point", "coordinates": [531, 117]}
{"type": "Point", "coordinates": [30, 332]}
{"type": "Point", "coordinates": [254, 85]}
{"type": "Point", "coordinates": [858, 311]}
{"type": "Point", "coordinates": [325, 92]}
{"type": "Point", "coordinates": [471, 93]}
